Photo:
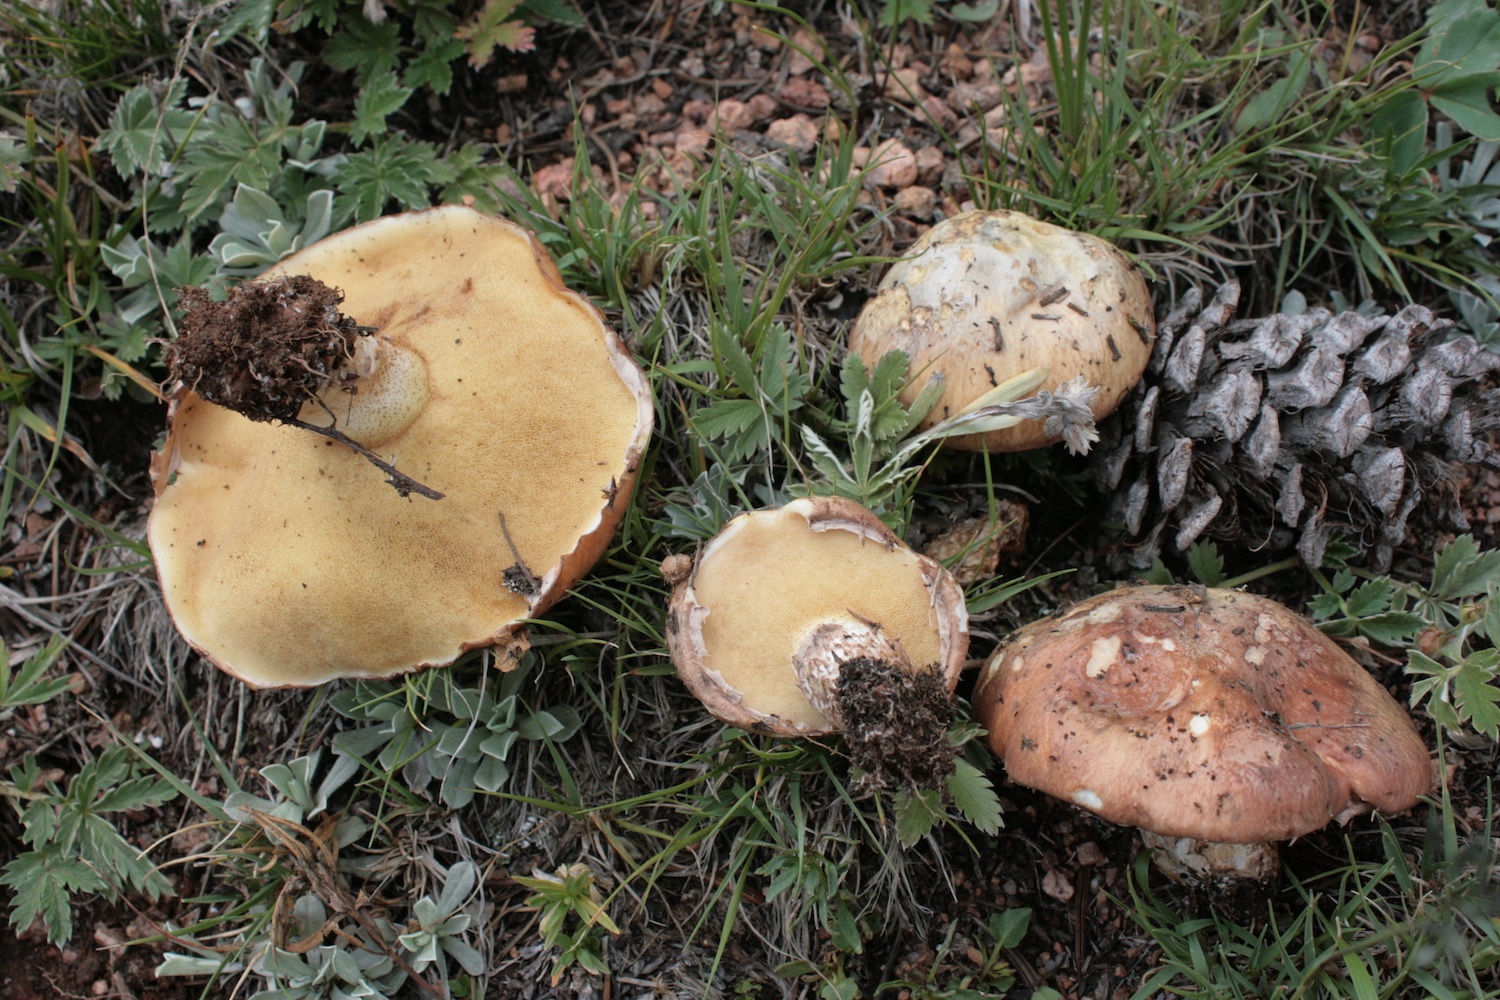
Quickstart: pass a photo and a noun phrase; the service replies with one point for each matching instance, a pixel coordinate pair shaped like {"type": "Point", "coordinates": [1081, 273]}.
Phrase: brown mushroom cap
{"type": "Point", "coordinates": [287, 560]}
{"type": "Point", "coordinates": [1210, 714]}
{"type": "Point", "coordinates": [985, 296]}
{"type": "Point", "coordinates": [770, 578]}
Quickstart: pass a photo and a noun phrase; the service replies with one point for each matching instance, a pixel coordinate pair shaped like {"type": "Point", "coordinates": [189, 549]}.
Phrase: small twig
{"type": "Point", "coordinates": [404, 484]}
{"type": "Point", "coordinates": [533, 585]}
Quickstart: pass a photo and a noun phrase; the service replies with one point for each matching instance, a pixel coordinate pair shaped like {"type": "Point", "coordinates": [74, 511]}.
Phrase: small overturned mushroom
{"type": "Point", "coordinates": [1199, 715]}
{"type": "Point", "coordinates": [985, 296]}
{"type": "Point", "coordinates": [815, 618]}
{"type": "Point", "coordinates": [283, 557]}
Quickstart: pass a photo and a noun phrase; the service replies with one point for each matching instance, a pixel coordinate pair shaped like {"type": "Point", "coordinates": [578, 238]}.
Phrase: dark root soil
{"type": "Point", "coordinates": [896, 724]}
{"type": "Point", "coordinates": [267, 349]}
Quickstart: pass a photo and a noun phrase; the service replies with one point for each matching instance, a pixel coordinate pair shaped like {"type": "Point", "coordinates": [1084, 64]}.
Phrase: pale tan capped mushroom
{"type": "Point", "coordinates": [1199, 715]}
{"type": "Point", "coordinates": [784, 608]}
{"type": "Point", "coordinates": [286, 559]}
{"type": "Point", "coordinates": [985, 296]}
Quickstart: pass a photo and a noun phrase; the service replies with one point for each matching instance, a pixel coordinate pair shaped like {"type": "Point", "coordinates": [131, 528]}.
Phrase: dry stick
{"type": "Point", "coordinates": [532, 583]}
{"type": "Point", "coordinates": [404, 484]}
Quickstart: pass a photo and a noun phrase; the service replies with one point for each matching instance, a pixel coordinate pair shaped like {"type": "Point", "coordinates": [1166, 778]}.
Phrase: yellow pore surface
{"type": "Point", "coordinates": [289, 560]}
{"type": "Point", "coordinates": [769, 578]}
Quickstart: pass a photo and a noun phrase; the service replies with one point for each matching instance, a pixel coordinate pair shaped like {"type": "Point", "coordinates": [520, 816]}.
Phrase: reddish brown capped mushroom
{"type": "Point", "coordinates": [1197, 713]}
{"type": "Point", "coordinates": [985, 296]}
{"type": "Point", "coordinates": [815, 618]}
{"type": "Point", "coordinates": [287, 560]}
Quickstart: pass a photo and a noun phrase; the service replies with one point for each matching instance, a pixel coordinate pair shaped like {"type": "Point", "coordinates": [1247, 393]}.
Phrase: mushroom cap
{"type": "Point", "coordinates": [287, 560]}
{"type": "Point", "coordinates": [1198, 713]}
{"type": "Point", "coordinates": [985, 296]}
{"type": "Point", "coordinates": [761, 586]}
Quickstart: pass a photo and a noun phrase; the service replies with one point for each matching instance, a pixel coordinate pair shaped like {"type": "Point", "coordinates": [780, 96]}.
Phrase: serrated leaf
{"type": "Point", "coordinates": [1393, 628]}
{"type": "Point", "coordinates": [1369, 598]}
{"type": "Point", "coordinates": [1462, 570]}
{"type": "Point", "coordinates": [491, 27]}
{"type": "Point", "coordinates": [43, 882]}
{"type": "Point", "coordinates": [916, 813]}
{"type": "Point", "coordinates": [555, 10]}
{"type": "Point", "coordinates": [1476, 694]}
{"type": "Point", "coordinates": [365, 47]}
{"type": "Point", "coordinates": [1206, 563]}
{"type": "Point", "coordinates": [138, 793]}
{"type": "Point", "coordinates": [142, 129]}
{"type": "Point", "coordinates": [433, 66]}
{"type": "Point", "coordinates": [379, 97]}
{"type": "Point", "coordinates": [726, 417]}
{"type": "Point", "coordinates": [393, 168]}
{"type": "Point", "coordinates": [975, 797]}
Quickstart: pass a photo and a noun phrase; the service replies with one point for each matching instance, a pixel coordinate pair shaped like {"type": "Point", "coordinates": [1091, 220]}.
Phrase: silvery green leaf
{"type": "Point", "coordinates": [350, 829]}
{"type": "Point", "coordinates": [467, 957]}
{"type": "Point", "coordinates": [362, 742]}
{"type": "Point", "coordinates": [176, 964]}
{"type": "Point", "coordinates": [492, 773]}
{"type": "Point", "coordinates": [458, 783]}
{"type": "Point", "coordinates": [238, 804]}
{"type": "Point", "coordinates": [463, 877]}
{"type": "Point", "coordinates": [497, 745]}
{"type": "Point", "coordinates": [319, 217]}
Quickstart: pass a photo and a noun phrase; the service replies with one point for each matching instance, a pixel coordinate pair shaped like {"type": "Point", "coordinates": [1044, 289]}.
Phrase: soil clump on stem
{"type": "Point", "coordinates": [896, 724]}
{"type": "Point", "coordinates": [267, 349]}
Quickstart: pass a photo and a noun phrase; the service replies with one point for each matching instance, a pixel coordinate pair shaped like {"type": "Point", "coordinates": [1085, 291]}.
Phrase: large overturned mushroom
{"type": "Point", "coordinates": [815, 618]}
{"type": "Point", "coordinates": [985, 296]}
{"type": "Point", "coordinates": [1199, 715]}
{"type": "Point", "coordinates": [284, 556]}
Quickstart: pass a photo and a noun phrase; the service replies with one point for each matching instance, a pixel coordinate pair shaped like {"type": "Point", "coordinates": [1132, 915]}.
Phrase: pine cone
{"type": "Point", "coordinates": [1269, 433]}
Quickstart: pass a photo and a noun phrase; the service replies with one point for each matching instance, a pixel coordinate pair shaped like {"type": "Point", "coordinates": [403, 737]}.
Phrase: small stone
{"type": "Point", "coordinates": [799, 132]}
{"type": "Point", "coordinates": [939, 113]}
{"type": "Point", "coordinates": [556, 180]}
{"type": "Point", "coordinates": [762, 106]}
{"type": "Point", "coordinates": [904, 85]}
{"type": "Point", "coordinates": [732, 115]}
{"type": "Point", "coordinates": [930, 164]}
{"type": "Point", "coordinates": [1056, 885]}
{"type": "Point", "coordinates": [916, 202]}
{"type": "Point", "coordinates": [894, 165]}
{"type": "Point", "coordinates": [1090, 854]}
{"type": "Point", "coordinates": [956, 63]}
{"type": "Point", "coordinates": [804, 93]}
{"type": "Point", "coordinates": [804, 44]}
{"type": "Point", "coordinates": [661, 88]}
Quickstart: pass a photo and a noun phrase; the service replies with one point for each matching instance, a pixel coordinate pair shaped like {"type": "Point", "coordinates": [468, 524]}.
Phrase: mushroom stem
{"type": "Point", "coordinates": [825, 650]}
{"type": "Point", "coordinates": [1208, 865]}
{"type": "Point", "coordinates": [894, 716]}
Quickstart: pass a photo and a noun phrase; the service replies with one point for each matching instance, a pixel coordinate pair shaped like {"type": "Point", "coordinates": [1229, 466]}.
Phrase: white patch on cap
{"type": "Point", "coordinates": [1198, 725]}
{"type": "Point", "coordinates": [1016, 662]}
{"type": "Point", "coordinates": [1102, 655]}
{"type": "Point", "coordinates": [1088, 799]}
{"type": "Point", "coordinates": [1263, 626]}
{"type": "Point", "coordinates": [1168, 645]}
{"type": "Point", "coordinates": [1104, 614]}
{"type": "Point", "coordinates": [1255, 655]}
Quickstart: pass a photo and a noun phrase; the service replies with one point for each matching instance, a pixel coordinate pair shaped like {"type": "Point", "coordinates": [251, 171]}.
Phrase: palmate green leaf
{"type": "Point", "coordinates": [916, 814]}
{"type": "Point", "coordinates": [26, 686]}
{"type": "Point", "coordinates": [238, 154]}
{"type": "Point", "coordinates": [975, 797]}
{"type": "Point", "coordinates": [43, 882]}
{"type": "Point", "coordinates": [144, 792]}
{"type": "Point", "coordinates": [142, 128]}
{"type": "Point", "coordinates": [1369, 598]}
{"type": "Point", "coordinates": [433, 66]}
{"type": "Point", "coordinates": [365, 47]}
{"type": "Point", "coordinates": [726, 417]}
{"type": "Point", "coordinates": [1206, 563]}
{"type": "Point", "coordinates": [120, 861]}
{"type": "Point", "coordinates": [1461, 570]}
{"type": "Point", "coordinates": [1476, 694]}
{"type": "Point", "coordinates": [393, 169]}
{"type": "Point", "coordinates": [494, 27]}
{"type": "Point", "coordinates": [1392, 628]}
{"type": "Point", "coordinates": [380, 97]}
